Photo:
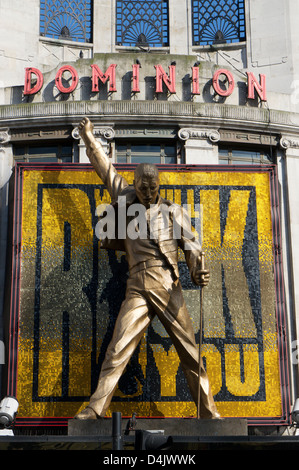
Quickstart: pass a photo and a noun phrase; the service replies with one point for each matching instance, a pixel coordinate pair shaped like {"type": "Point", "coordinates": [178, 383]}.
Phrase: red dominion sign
{"type": "Point", "coordinates": [169, 80]}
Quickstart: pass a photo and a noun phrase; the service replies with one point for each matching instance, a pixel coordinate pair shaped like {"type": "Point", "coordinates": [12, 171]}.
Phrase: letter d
{"type": "Point", "coordinates": [31, 90]}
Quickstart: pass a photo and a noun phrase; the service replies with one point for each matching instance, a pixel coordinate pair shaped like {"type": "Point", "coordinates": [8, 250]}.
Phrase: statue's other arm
{"type": "Point", "coordinates": [192, 249]}
{"type": "Point", "coordinates": [100, 162]}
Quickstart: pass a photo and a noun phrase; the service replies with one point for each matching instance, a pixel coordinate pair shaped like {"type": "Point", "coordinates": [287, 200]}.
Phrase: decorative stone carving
{"type": "Point", "coordinates": [289, 142]}
{"type": "Point", "coordinates": [107, 133]}
{"type": "Point", "coordinates": [190, 133]}
{"type": "Point", "coordinates": [75, 133]}
{"type": "Point", "coordinates": [4, 135]}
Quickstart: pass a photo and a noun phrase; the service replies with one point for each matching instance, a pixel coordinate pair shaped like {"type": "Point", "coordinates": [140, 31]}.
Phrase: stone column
{"type": "Point", "coordinates": [6, 164]}
{"type": "Point", "coordinates": [290, 144]}
{"type": "Point", "coordinates": [178, 31]}
{"type": "Point", "coordinates": [200, 145]}
{"type": "Point", "coordinates": [104, 26]}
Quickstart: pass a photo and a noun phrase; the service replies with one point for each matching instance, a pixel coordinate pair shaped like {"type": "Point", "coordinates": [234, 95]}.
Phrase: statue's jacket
{"type": "Point", "coordinates": [165, 234]}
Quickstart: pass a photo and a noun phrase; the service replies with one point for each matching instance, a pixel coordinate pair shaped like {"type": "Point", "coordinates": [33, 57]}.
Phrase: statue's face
{"type": "Point", "coordinates": [147, 188]}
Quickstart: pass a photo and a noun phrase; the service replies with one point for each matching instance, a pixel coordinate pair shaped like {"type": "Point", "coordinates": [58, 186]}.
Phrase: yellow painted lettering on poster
{"type": "Point", "coordinates": [64, 287]}
{"type": "Point", "coordinates": [167, 363]}
{"type": "Point", "coordinates": [250, 382]}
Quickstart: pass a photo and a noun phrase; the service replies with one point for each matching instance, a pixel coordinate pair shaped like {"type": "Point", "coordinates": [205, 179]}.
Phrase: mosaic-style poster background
{"type": "Point", "coordinates": [67, 292]}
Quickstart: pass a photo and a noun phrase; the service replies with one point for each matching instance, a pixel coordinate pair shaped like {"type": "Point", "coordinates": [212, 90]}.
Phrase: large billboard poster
{"type": "Point", "coordinates": [66, 293]}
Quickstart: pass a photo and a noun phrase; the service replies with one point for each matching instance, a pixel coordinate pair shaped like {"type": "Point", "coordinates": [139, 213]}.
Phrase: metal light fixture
{"type": "Point", "coordinates": [8, 410]}
{"type": "Point", "coordinates": [295, 412]}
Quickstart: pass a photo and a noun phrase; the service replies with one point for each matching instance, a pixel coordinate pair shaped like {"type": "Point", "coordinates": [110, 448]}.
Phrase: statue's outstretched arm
{"type": "Point", "coordinates": [100, 161]}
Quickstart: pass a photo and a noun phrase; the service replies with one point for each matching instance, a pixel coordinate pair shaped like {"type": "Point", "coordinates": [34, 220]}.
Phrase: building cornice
{"type": "Point", "coordinates": [184, 114]}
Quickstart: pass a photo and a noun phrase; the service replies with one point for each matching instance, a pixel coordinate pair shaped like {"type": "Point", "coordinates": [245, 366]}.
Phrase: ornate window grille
{"type": "Point", "coordinates": [61, 19]}
{"type": "Point", "coordinates": [142, 23]}
{"type": "Point", "coordinates": [218, 21]}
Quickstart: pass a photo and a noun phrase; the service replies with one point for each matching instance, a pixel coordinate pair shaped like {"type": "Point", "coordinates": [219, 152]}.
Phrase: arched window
{"type": "Point", "coordinates": [218, 21]}
{"type": "Point", "coordinates": [71, 20]}
{"type": "Point", "coordinates": [142, 23]}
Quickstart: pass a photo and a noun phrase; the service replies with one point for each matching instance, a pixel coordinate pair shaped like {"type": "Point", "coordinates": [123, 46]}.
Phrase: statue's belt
{"type": "Point", "coordinates": [148, 264]}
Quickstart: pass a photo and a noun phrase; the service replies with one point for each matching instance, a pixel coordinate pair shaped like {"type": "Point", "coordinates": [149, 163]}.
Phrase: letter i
{"type": "Point", "coordinates": [195, 81]}
{"type": "Point", "coordinates": [135, 87]}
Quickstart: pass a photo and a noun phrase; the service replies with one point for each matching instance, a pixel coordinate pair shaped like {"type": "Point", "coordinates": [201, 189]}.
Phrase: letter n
{"type": "Point", "coordinates": [97, 75]}
{"type": "Point", "coordinates": [31, 90]}
{"type": "Point", "coordinates": [161, 76]}
{"type": "Point", "coordinates": [254, 85]}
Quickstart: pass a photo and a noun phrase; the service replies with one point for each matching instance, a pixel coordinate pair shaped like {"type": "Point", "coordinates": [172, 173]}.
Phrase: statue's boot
{"type": "Point", "coordinates": [87, 413]}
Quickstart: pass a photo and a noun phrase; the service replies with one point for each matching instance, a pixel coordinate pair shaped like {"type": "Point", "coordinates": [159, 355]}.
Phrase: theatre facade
{"type": "Point", "coordinates": [223, 129]}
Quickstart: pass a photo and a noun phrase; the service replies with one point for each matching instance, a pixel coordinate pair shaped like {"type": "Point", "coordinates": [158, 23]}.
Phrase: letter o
{"type": "Point", "coordinates": [231, 82]}
{"type": "Point", "coordinates": [74, 79]}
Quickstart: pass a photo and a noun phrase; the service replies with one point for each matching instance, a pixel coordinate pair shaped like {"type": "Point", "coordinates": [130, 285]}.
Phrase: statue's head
{"type": "Point", "coordinates": [146, 183]}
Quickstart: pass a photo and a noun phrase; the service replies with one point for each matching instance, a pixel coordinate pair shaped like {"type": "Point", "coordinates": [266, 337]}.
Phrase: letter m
{"type": "Point", "coordinates": [161, 76]}
{"type": "Point", "coordinates": [97, 75]}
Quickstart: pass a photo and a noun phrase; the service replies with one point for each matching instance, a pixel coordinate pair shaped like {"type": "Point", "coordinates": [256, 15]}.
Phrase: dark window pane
{"type": "Point", "coordinates": [121, 159]}
{"type": "Point", "coordinates": [146, 159]}
{"type": "Point", "coordinates": [19, 151]}
{"type": "Point", "coordinates": [121, 148]}
{"type": "Point", "coordinates": [244, 157]}
{"type": "Point", "coordinates": [42, 160]}
{"type": "Point", "coordinates": [66, 150]}
{"type": "Point", "coordinates": [139, 152]}
{"type": "Point", "coordinates": [146, 148]}
{"type": "Point", "coordinates": [170, 150]}
{"type": "Point", "coordinates": [170, 160]}
{"type": "Point", "coordinates": [42, 150]}
{"type": "Point", "coordinates": [39, 153]}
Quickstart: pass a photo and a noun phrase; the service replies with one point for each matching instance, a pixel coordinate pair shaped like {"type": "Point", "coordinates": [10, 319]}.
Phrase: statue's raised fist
{"type": "Point", "coordinates": [85, 127]}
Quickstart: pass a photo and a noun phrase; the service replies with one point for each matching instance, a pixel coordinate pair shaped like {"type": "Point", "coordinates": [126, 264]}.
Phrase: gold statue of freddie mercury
{"type": "Point", "coordinates": [153, 286]}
